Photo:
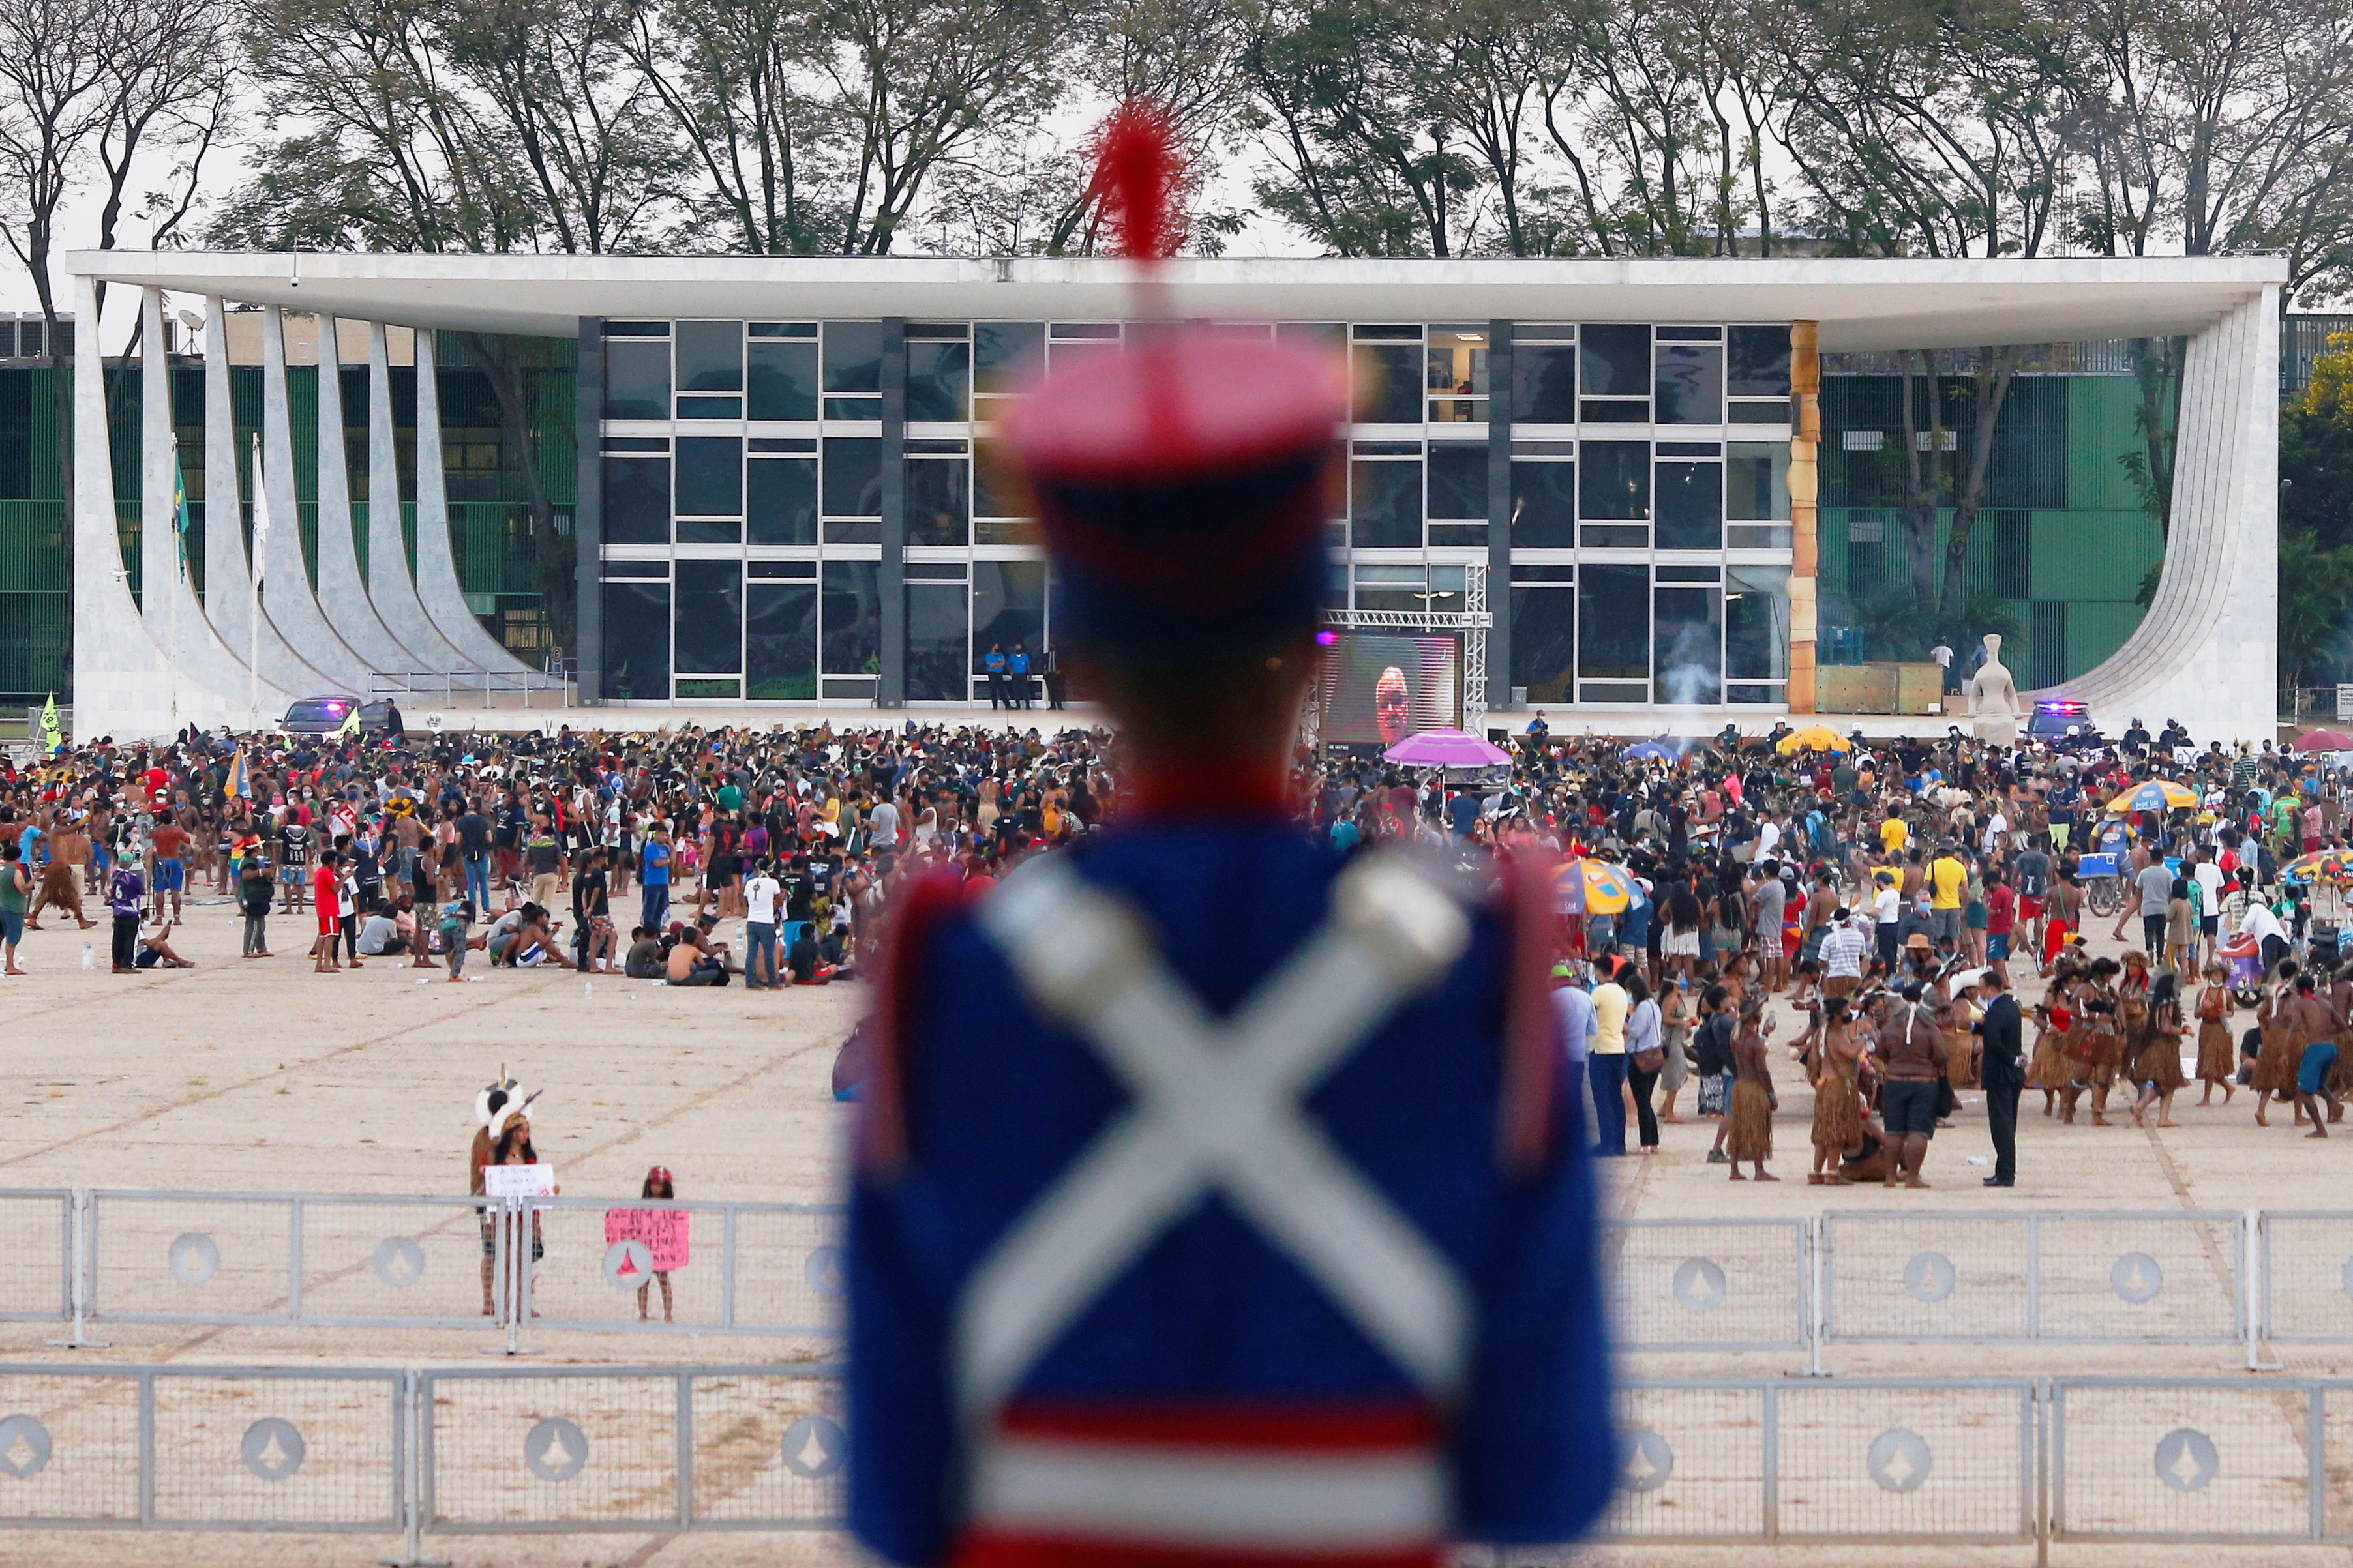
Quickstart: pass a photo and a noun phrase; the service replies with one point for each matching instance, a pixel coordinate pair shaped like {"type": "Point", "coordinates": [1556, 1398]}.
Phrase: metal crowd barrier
{"type": "Point", "coordinates": [2165, 1277]}
{"type": "Point", "coordinates": [509, 1449]}
{"type": "Point", "coordinates": [430, 1262]}
{"type": "Point", "coordinates": [2084, 1277]}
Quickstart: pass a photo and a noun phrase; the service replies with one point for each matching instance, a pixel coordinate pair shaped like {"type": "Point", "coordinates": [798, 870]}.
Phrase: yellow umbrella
{"type": "Point", "coordinates": [1609, 889]}
{"type": "Point", "coordinates": [2157, 794]}
{"type": "Point", "coordinates": [1814, 738]}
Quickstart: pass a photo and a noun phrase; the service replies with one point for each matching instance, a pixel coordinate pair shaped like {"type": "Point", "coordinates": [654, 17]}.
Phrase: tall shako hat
{"type": "Point", "coordinates": [1181, 482]}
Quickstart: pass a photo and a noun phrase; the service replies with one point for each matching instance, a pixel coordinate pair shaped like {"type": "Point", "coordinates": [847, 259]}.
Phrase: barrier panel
{"type": "Point", "coordinates": [1878, 1460]}
{"type": "Point", "coordinates": [37, 1231]}
{"type": "Point", "coordinates": [1708, 1285]}
{"type": "Point", "coordinates": [2306, 1263]}
{"type": "Point", "coordinates": [588, 1449]}
{"type": "Point", "coordinates": [2206, 1460]}
{"type": "Point", "coordinates": [203, 1448]}
{"type": "Point", "coordinates": [2165, 1278]}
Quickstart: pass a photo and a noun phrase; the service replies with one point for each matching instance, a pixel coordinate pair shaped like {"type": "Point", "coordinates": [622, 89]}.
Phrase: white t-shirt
{"type": "Point", "coordinates": [2209, 877]}
{"type": "Point", "coordinates": [760, 899]}
{"type": "Point", "coordinates": [1887, 906]}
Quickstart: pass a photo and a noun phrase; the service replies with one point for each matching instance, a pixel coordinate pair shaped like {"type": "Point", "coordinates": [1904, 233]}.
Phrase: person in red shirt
{"type": "Point", "coordinates": [2001, 920]}
{"type": "Point", "coordinates": [326, 894]}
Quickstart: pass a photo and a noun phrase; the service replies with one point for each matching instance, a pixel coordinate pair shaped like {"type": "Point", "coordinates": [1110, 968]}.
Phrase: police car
{"type": "Point", "coordinates": [2062, 724]}
{"type": "Point", "coordinates": [326, 715]}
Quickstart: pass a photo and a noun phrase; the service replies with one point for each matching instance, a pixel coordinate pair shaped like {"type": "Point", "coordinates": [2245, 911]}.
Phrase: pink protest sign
{"type": "Point", "coordinates": [663, 1231]}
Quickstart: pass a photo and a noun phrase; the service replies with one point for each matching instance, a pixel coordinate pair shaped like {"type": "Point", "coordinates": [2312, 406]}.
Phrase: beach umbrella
{"type": "Point", "coordinates": [1648, 750]}
{"type": "Point", "coordinates": [1445, 749]}
{"type": "Point", "coordinates": [1609, 889]}
{"type": "Point", "coordinates": [2322, 740]}
{"type": "Point", "coordinates": [1814, 738]}
{"type": "Point", "coordinates": [2157, 794]}
{"type": "Point", "coordinates": [2327, 865]}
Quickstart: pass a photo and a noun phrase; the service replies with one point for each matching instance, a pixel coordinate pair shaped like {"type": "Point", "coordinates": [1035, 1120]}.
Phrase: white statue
{"type": "Point", "coordinates": [1993, 699]}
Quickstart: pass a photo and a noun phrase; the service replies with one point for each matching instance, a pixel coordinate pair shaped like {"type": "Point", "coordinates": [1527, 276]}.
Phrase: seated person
{"type": "Point", "coordinates": [1867, 1161]}
{"type": "Point", "coordinates": [645, 956]}
{"type": "Point", "coordinates": [500, 938]}
{"type": "Point", "coordinates": [534, 943]}
{"type": "Point", "coordinates": [833, 951]}
{"type": "Point", "coordinates": [154, 948]}
{"type": "Point", "coordinates": [808, 964]}
{"type": "Point", "coordinates": [380, 933]}
{"type": "Point", "coordinates": [690, 966]}
{"type": "Point", "coordinates": [706, 937]}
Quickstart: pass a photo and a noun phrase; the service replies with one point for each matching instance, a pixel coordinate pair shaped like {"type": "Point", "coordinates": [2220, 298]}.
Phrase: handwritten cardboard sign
{"type": "Point", "coordinates": [519, 1181]}
{"type": "Point", "coordinates": [664, 1232]}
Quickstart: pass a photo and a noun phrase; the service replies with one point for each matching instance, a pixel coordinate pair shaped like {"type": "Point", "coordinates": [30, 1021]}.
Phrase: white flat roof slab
{"type": "Point", "coordinates": [1862, 303]}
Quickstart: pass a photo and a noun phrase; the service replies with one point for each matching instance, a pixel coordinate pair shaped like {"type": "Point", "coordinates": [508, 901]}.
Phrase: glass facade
{"type": "Point", "coordinates": [750, 480]}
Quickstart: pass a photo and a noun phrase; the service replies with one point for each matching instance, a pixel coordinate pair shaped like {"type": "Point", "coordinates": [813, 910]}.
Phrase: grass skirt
{"type": "Point", "coordinates": [1837, 1113]}
{"type": "Point", "coordinates": [2282, 1054]}
{"type": "Point", "coordinates": [1751, 1133]}
{"type": "Point", "coordinates": [2217, 1058]}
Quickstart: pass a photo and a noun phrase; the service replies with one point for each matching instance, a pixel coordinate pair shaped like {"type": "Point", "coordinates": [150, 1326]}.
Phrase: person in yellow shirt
{"type": "Point", "coordinates": [1947, 879]}
{"type": "Point", "coordinates": [1894, 835]}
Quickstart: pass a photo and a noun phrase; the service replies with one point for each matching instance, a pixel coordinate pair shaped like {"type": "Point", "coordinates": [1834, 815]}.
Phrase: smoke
{"type": "Point", "coordinates": [1690, 684]}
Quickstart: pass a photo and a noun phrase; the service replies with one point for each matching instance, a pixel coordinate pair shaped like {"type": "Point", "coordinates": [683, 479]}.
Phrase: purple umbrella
{"type": "Point", "coordinates": [1445, 749]}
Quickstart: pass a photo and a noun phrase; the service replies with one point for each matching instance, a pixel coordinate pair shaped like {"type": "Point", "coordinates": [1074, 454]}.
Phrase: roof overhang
{"type": "Point", "coordinates": [1861, 303]}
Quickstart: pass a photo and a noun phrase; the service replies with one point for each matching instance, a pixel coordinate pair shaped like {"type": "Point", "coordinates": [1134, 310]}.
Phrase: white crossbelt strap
{"type": "Point", "coordinates": [1217, 1108]}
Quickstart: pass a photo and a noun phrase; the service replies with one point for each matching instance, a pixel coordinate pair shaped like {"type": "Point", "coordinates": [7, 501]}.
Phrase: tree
{"type": "Point", "coordinates": [117, 85]}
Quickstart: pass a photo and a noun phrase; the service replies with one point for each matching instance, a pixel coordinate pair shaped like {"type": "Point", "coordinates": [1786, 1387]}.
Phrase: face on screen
{"type": "Point", "coordinates": [1392, 706]}
{"type": "Point", "coordinates": [1384, 687]}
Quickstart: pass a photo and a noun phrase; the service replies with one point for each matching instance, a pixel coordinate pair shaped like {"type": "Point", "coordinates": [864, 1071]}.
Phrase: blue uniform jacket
{"type": "Point", "coordinates": [991, 1104]}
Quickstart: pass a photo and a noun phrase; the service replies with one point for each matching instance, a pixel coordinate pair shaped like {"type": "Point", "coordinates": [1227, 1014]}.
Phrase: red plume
{"type": "Point", "coordinates": [1136, 175]}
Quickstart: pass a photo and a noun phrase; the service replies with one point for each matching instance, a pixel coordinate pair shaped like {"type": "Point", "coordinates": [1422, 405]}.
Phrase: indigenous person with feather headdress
{"type": "Point", "coordinates": [502, 1137]}
{"type": "Point", "coordinates": [1218, 1198]}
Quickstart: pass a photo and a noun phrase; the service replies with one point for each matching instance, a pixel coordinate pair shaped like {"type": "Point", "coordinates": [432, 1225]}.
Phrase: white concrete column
{"type": "Point", "coordinates": [228, 576]}
{"type": "Point", "coordinates": [437, 566]}
{"type": "Point", "coordinates": [286, 593]}
{"type": "Point", "coordinates": [342, 592]}
{"type": "Point", "coordinates": [2207, 651]}
{"type": "Point", "coordinates": [390, 586]}
{"type": "Point", "coordinates": [121, 679]}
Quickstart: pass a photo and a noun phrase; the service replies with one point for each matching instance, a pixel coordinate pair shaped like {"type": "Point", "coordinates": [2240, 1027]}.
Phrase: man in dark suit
{"type": "Point", "coordinates": [2004, 1073]}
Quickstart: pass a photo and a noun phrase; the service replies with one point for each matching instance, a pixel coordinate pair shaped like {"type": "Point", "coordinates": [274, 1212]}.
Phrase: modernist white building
{"type": "Point", "coordinates": [786, 493]}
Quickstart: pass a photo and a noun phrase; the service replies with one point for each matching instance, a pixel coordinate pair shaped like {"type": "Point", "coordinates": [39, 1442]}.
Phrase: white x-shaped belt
{"type": "Point", "coordinates": [1217, 1108]}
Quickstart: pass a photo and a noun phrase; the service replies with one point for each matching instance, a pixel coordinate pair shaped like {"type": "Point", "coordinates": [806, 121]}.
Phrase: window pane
{"type": "Point", "coordinates": [1544, 505]}
{"type": "Point", "coordinates": [1008, 607]}
{"type": "Point", "coordinates": [710, 617]}
{"type": "Point", "coordinates": [780, 641]}
{"type": "Point", "coordinates": [1691, 506]}
{"type": "Point", "coordinates": [1757, 623]}
{"type": "Point", "coordinates": [853, 356]}
{"type": "Point", "coordinates": [1616, 483]}
{"type": "Point", "coordinates": [1691, 384]}
{"type": "Point", "coordinates": [1384, 505]}
{"type": "Point", "coordinates": [1757, 482]}
{"type": "Point", "coordinates": [994, 490]}
{"type": "Point", "coordinates": [636, 641]}
{"type": "Point", "coordinates": [1686, 646]}
{"type": "Point", "coordinates": [1457, 361]}
{"type": "Point", "coordinates": [853, 478]}
{"type": "Point", "coordinates": [1544, 642]}
{"type": "Point", "coordinates": [1389, 384]}
{"type": "Point", "coordinates": [1544, 384]}
{"type": "Point", "coordinates": [937, 492]}
{"type": "Point", "coordinates": [780, 501]}
{"type": "Point", "coordinates": [711, 476]}
{"type": "Point", "coordinates": [937, 654]}
{"type": "Point", "coordinates": [637, 500]}
{"type": "Point", "coordinates": [853, 618]}
{"type": "Point", "coordinates": [1759, 364]}
{"type": "Point", "coordinates": [1614, 361]}
{"type": "Point", "coordinates": [783, 379]}
{"type": "Point", "coordinates": [1002, 350]}
{"type": "Point", "coordinates": [711, 356]}
{"type": "Point", "coordinates": [637, 381]}
{"type": "Point", "coordinates": [1613, 622]}
{"type": "Point", "coordinates": [939, 381]}
{"type": "Point", "coordinates": [1458, 480]}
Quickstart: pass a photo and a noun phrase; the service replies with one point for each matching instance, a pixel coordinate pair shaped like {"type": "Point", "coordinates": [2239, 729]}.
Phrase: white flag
{"type": "Point", "coordinates": [260, 519]}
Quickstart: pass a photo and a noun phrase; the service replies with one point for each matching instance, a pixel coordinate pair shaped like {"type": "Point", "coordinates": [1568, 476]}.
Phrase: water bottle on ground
{"type": "Point", "coordinates": [89, 956]}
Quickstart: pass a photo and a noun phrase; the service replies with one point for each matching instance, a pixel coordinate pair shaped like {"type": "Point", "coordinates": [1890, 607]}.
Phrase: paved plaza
{"type": "Point", "coordinates": [260, 1077]}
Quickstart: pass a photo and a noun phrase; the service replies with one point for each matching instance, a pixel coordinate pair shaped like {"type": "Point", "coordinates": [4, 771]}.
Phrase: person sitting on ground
{"type": "Point", "coordinates": [380, 933]}
{"type": "Point", "coordinates": [500, 938]}
{"type": "Point", "coordinates": [155, 948]}
{"type": "Point", "coordinates": [534, 943]}
{"type": "Point", "coordinates": [690, 966]}
{"type": "Point", "coordinates": [645, 956]}
{"type": "Point", "coordinates": [805, 961]}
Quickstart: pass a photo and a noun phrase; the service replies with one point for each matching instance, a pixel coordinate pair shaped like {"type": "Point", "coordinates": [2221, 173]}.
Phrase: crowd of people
{"type": "Point", "coordinates": [1886, 898]}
